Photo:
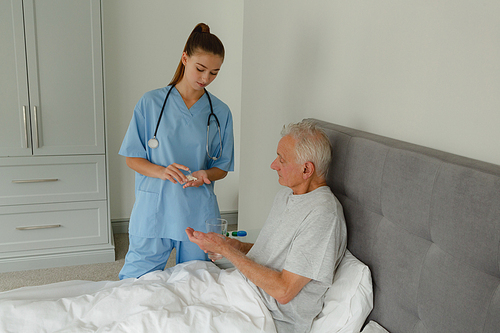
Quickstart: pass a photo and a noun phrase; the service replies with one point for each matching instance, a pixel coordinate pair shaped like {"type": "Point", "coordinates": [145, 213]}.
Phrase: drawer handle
{"type": "Point", "coordinates": [24, 181]}
{"type": "Point", "coordinates": [39, 227]}
{"type": "Point", "coordinates": [25, 127]}
{"type": "Point", "coordinates": [35, 127]}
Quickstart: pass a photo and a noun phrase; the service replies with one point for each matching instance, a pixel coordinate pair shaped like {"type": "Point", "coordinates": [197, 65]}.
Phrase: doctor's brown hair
{"type": "Point", "coordinates": [200, 40]}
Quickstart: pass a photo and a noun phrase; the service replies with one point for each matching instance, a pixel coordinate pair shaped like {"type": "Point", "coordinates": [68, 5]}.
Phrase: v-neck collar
{"type": "Point", "coordinates": [197, 106]}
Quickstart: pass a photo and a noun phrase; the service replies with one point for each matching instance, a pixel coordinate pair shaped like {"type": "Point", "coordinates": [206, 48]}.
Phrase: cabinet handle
{"type": "Point", "coordinates": [39, 227]}
{"type": "Point", "coordinates": [25, 128]}
{"type": "Point", "coordinates": [24, 181]}
{"type": "Point", "coordinates": [35, 127]}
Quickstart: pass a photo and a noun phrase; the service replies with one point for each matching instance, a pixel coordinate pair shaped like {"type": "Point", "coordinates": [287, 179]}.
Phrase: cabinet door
{"type": "Point", "coordinates": [15, 137]}
{"type": "Point", "coordinates": [64, 57]}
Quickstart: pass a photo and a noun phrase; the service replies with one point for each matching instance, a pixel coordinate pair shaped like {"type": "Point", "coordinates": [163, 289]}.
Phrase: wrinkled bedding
{"type": "Point", "coordinates": [195, 296]}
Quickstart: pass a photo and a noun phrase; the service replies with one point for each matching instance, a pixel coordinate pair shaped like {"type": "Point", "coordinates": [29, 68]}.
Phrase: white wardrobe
{"type": "Point", "coordinates": [54, 207]}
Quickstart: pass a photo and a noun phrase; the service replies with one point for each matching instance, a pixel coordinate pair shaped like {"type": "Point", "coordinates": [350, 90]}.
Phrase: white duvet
{"type": "Point", "coordinates": [195, 296]}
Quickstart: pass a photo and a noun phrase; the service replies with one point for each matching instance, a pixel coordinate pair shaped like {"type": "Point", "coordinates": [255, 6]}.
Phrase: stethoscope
{"type": "Point", "coordinates": [153, 142]}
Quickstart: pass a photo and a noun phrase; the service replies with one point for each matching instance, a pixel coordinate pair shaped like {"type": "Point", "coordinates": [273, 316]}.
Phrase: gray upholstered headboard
{"type": "Point", "coordinates": [427, 223]}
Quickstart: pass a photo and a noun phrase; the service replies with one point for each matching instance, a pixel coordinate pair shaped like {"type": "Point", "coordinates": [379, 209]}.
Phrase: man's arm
{"type": "Point", "coordinates": [283, 286]}
{"type": "Point", "coordinates": [239, 245]}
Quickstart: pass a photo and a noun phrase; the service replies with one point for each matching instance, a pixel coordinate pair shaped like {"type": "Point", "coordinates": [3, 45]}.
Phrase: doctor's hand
{"type": "Point", "coordinates": [201, 179]}
{"type": "Point", "coordinates": [174, 174]}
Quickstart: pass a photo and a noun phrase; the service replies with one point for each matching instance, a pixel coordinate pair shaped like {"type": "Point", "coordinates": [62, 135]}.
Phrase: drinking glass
{"type": "Point", "coordinates": [219, 226]}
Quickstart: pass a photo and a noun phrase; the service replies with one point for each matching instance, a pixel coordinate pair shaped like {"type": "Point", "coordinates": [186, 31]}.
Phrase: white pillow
{"type": "Point", "coordinates": [374, 327]}
{"type": "Point", "coordinates": [349, 300]}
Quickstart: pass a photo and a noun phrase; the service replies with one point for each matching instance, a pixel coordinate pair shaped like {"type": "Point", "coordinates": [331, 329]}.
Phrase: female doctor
{"type": "Point", "coordinates": [167, 138]}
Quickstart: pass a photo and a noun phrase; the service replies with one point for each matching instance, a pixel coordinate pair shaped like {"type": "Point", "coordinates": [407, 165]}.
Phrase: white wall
{"type": "Point", "coordinates": [143, 42]}
{"type": "Point", "coordinates": [426, 72]}
{"type": "Point", "coordinates": [423, 72]}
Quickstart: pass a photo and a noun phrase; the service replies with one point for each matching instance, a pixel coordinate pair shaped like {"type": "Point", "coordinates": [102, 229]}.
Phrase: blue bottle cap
{"type": "Point", "coordinates": [240, 233]}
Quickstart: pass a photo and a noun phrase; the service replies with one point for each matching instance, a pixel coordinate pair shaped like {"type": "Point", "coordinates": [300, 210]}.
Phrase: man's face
{"type": "Point", "coordinates": [289, 171]}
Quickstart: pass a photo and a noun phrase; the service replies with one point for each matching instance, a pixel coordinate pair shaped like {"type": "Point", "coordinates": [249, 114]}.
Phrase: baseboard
{"type": "Point", "coordinates": [120, 226]}
{"type": "Point", "coordinates": [231, 217]}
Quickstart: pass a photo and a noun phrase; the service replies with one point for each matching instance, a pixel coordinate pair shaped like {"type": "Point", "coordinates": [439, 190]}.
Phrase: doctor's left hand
{"type": "Point", "coordinates": [202, 178]}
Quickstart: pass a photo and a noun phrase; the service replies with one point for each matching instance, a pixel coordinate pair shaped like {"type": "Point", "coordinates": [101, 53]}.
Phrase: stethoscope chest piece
{"type": "Point", "coordinates": [153, 143]}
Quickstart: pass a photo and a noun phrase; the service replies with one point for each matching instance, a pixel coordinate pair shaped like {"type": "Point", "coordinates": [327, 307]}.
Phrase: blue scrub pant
{"type": "Point", "coordinates": [151, 254]}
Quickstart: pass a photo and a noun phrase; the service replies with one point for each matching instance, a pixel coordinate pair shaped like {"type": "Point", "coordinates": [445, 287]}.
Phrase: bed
{"type": "Point", "coordinates": [427, 223]}
{"type": "Point", "coordinates": [196, 297]}
{"type": "Point", "coordinates": [423, 256]}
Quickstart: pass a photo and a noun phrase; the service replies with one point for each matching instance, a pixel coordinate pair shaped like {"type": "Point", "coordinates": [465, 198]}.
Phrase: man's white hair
{"type": "Point", "coordinates": [312, 145]}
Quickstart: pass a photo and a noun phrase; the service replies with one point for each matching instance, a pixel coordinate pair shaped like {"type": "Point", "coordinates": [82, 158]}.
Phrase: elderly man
{"type": "Point", "coordinates": [292, 263]}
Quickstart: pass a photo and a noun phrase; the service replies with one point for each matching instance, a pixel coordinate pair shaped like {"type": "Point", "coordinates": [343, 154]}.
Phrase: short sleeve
{"type": "Point", "coordinates": [226, 161]}
{"type": "Point", "coordinates": [134, 143]}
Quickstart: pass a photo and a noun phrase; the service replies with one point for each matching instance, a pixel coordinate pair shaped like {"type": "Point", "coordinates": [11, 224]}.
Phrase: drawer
{"type": "Point", "coordinates": [52, 226]}
{"type": "Point", "coordinates": [31, 180]}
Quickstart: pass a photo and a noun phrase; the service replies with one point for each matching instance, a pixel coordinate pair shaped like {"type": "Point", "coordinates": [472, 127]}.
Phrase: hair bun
{"type": "Point", "coordinates": [202, 27]}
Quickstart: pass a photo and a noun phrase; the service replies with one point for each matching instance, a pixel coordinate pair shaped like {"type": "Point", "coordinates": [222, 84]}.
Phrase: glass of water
{"type": "Point", "coordinates": [219, 226]}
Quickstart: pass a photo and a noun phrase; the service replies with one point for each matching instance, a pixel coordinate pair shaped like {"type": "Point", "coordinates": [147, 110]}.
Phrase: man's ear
{"type": "Point", "coordinates": [308, 170]}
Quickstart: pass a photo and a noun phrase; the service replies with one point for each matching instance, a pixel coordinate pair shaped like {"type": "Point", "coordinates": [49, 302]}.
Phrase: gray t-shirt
{"type": "Point", "coordinates": [306, 235]}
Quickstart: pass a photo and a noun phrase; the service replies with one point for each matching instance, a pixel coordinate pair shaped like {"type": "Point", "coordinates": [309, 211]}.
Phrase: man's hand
{"type": "Point", "coordinates": [207, 241]}
{"type": "Point", "coordinates": [203, 240]}
{"type": "Point", "coordinates": [283, 286]}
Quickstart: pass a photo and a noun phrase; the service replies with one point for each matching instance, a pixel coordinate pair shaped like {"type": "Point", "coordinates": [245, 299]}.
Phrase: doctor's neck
{"type": "Point", "coordinates": [187, 92]}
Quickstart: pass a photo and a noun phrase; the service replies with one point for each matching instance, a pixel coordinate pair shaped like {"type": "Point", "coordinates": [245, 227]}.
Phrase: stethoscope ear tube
{"type": "Point", "coordinates": [211, 111]}
{"type": "Point", "coordinates": [208, 128]}
{"type": "Point", "coordinates": [161, 114]}
{"type": "Point", "coordinates": [153, 142]}
{"type": "Point", "coordinates": [220, 140]}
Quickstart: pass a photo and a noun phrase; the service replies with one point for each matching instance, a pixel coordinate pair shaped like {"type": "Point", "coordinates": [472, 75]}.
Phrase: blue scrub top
{"type": "Point", "coordinates": [163, 209]}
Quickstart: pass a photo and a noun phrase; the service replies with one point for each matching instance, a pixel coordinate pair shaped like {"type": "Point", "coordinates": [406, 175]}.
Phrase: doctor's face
{"type": "Point", "coordinates": [289, 171]}
{"type": "Point", "coordinates": [201, 68]}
